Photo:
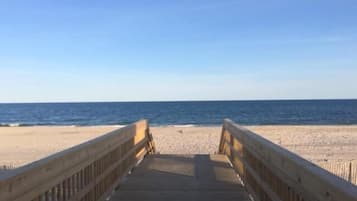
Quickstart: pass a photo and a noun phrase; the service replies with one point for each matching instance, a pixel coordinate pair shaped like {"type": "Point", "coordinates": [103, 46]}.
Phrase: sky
{"type": "Point", "coordinates": [159, 50]}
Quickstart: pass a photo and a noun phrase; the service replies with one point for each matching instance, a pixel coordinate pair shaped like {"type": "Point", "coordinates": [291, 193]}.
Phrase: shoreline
{"type": "Point", "coordinates": [15, 125]}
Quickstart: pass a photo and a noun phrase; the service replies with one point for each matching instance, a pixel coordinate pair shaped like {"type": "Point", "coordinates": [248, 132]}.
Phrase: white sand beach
{"type": "Point", "coordinates": [22, 145]}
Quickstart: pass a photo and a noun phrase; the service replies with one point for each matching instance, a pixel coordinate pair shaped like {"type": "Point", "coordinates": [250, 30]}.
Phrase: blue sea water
{"type": "Point", "coordinates": [286, 112]}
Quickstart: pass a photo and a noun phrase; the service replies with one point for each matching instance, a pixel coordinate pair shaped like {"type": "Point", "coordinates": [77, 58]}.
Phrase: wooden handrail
{"type": "Point", "coordinates": [86, 172]}
{"type": "Point", "coordinates": [272, 173]}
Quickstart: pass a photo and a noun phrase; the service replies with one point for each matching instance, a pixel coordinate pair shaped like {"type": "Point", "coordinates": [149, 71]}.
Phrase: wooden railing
{"type": "Point", "coordinates": [87, 172]}
{"type": "Point", "coordinates": [272, 173]}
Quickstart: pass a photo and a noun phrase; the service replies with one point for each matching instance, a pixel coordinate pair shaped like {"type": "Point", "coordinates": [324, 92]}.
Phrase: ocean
{"type": "Point", "coordinates": [187, 113]}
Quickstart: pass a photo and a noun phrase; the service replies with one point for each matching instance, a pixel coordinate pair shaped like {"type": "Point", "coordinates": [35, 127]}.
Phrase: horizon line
{"type": "Point", "coordinates": [194, 100]}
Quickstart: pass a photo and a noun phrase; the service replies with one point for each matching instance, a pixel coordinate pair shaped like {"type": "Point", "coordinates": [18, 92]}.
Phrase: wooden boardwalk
{"type": "Point", "coordinates": [182, 177]}
{"type": "Point", "coordinates": [93, 170]}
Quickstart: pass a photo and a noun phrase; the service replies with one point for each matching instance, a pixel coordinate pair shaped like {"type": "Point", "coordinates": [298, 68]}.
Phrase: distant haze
{"type": "Point", "coordinates": [64, 51]}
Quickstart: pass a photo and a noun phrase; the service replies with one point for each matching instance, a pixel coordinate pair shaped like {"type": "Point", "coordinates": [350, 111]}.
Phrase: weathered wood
{"type": "Point", "coordinates": [182, 177]}
{"type": "Point", "coordinates": [345, 170]}
{"type": "Point", "coordinates": [82, 168]}
{"type": "Point", "coordinates": [273, 173]}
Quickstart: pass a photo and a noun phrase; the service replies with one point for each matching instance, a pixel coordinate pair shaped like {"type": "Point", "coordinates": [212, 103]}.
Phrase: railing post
{"type": "Point", "coordinates": [151, 145]}
{"type": "Point", "coordinates": [221, 143]}
{"type": "Point", "coordinates": [350, 172]}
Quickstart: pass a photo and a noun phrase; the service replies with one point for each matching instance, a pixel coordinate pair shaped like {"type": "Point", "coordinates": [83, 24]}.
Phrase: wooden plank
{"type": "Point", "coordinates": [174, 195]}
{"type": "Point", "coordinates": [305, 178]}
{"type": "Point", "coordinates": [182, 177]}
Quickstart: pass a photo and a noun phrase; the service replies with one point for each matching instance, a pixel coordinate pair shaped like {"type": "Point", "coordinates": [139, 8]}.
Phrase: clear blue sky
{"type": "Point", "coordinates": [104, 50]}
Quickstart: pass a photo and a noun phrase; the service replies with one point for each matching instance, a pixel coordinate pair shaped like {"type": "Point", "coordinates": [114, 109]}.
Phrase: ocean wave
{"type": "Point", "coordinates": [94, 125]}
{"type": "Point", "coordinates": [53, 124]}
{"type": "Point", "coordinates": [117, 126]}
{"type": "Point", "coordinates": [184, 125]}
{"type": "Point", "coordinates": [13, 125]}
{"type": "Point", "coordinates": [30, 124]}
